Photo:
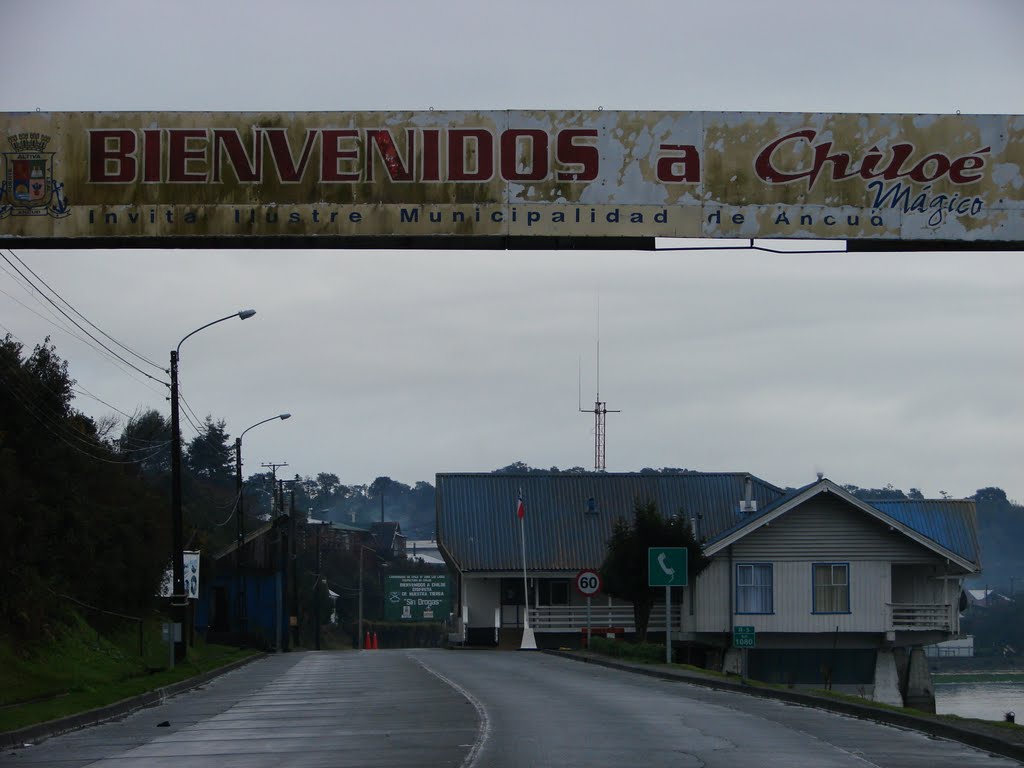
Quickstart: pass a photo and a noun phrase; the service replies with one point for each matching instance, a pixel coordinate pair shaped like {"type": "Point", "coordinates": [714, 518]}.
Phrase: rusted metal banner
{"type": "Point", "coordinates": [169, 177]}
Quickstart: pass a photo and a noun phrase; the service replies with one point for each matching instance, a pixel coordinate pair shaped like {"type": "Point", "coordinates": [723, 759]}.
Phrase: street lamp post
{"type": "Point", "coordinates": [179, 598]}
{"type": "Point", "coordinates": [240, 528]}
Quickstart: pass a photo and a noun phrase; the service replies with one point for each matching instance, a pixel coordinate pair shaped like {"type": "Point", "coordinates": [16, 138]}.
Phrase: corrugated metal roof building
{"type": "Point", "coordinates": [801, 566]}
{"type": "Point", "coordinates": [569, 517]}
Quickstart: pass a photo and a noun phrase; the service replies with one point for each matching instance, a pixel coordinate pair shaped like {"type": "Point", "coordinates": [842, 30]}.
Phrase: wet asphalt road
{"type": "Point", "coordinates": [425, 708]}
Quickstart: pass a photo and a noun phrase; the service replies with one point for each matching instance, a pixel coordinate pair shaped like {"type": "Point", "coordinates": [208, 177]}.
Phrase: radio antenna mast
{"type": "Point", "coordinates": [600, 407]}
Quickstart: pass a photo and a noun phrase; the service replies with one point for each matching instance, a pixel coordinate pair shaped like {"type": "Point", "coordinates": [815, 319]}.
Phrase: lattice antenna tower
{"type": "Point", "coordinates": [600, 410]}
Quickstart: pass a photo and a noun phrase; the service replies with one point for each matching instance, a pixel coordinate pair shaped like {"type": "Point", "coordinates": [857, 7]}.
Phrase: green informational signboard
{"type": "Point", "coordinates": [666, 567]}
{"type": "Point", "coordinates": [417, 597]}
{"type": "Point", "coordinates": [743, 637]}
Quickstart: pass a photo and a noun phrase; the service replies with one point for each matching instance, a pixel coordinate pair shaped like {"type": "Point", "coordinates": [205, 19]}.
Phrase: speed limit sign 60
{"type": "Point", "coordinates": [588, 583]}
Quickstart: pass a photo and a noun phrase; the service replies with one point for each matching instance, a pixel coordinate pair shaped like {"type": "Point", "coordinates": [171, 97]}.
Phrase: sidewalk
{"type": "Point", "coordinates": [1007, 741]}
{"type": "Point", "coordinates": [41, 731]}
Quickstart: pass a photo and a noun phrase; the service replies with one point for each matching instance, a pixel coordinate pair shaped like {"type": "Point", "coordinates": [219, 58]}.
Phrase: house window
{"type": "Point", "coordinates": [554, 592]}
{"type": "Point", "coordinates": [831, 587]}
{"type": "Point", "coordinates": [754, 588]}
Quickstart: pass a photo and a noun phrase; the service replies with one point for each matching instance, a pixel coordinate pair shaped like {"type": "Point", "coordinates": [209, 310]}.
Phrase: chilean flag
{"type": "Point", "coordinates": [520, 507]}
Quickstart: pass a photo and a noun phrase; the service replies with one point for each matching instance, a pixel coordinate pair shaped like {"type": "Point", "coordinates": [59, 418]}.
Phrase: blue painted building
{"type": "Point", "coordinates": [245, 600]}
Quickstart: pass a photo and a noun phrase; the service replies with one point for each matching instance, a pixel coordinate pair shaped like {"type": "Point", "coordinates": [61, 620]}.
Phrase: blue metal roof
{"type": "Point", "coordinates": [569, 517]}
{"type": "Point", "coordinates": [950, 523]}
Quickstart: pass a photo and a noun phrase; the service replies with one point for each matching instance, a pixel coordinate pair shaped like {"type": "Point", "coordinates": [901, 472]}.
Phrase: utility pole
{"type": "Point", "coordinates": [316, 592]}
{"type": "Point", "coordinates": [179, 598]}
{"type": "Point", "coordinates": [281, 637]}
{"type": "Point", "coordinates": [293, 570]}
{"type": "Point", "coordinates": [273, 466]}
{"type": "Point", "coordinates": [285, 549]}
{"type": "Point", "coordinates": [240, 608]}
{"type": "Point", "coordinates": [359, 631]}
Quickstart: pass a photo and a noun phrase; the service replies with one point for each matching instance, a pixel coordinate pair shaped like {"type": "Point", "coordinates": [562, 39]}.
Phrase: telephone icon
{"type": "Point", "coordinates": [666, 567]}
{"type": "Point", "coordinates": [669, 571]}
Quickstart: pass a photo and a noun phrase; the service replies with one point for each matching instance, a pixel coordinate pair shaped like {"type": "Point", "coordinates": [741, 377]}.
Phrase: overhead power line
{"type": "Point", "coordinates": [54, 426]}
{"type": "Point", "coordinates": [78, 325]}
{"type": "Point", "coordinates": [68, 304]}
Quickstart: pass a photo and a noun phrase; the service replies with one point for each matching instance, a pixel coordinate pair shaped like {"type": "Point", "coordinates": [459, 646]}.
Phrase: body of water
{"type": "Point", "coordinates": [985, 701]}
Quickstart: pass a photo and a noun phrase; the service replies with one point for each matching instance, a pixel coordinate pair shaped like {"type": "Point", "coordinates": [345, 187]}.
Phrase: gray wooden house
{"type": "Point", "coordinates": [839, 592]}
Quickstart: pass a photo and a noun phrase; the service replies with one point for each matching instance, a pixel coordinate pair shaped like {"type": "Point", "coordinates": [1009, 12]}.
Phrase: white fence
{"type": "Point", "coordinates": [565, 618]}
{"type": "Point", "coordinates": [924, 616]}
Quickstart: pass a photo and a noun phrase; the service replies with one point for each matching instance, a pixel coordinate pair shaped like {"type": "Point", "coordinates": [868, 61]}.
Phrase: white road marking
{"type": "Point", "coordinates": [484, 731]}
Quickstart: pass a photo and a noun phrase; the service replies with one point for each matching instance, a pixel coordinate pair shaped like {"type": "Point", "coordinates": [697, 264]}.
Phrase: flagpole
{"type": "Point", "coordinates": [529, 642]}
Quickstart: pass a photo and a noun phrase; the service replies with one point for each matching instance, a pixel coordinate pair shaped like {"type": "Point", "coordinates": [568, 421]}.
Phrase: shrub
{"type": "Point", "coordinates": [651, 653]}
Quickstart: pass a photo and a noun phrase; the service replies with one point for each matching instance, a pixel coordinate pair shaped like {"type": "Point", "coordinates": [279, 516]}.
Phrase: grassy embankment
{"type": "Point", "coordinates": [79, 669]}
{"type": "Point", "coordinates": [977, 677]}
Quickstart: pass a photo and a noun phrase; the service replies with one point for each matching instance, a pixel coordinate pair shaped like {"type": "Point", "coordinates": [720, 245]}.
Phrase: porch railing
{"type": "Point", "coordinates": [924, 616]}
{"type": "Point", "coordinates": [902, 616]}
{"type": "Point", "coordinates": [566, 618]}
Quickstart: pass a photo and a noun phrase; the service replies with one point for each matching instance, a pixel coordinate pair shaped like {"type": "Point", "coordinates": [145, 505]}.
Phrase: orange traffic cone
{"type": "Point", "coordinates": [375, 646]}
{"type": "Point", "coordinates": [368, 642]}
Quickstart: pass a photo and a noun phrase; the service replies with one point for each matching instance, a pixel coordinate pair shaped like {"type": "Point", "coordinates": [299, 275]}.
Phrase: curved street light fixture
{"type": "Point", "coordinates": [240, 529]}
{"type": "Point", "coordinates": [179, 598]}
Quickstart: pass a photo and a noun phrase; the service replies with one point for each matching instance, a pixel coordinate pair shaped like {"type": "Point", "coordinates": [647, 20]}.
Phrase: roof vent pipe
{"type": "Point", "coordinates": [747, 503]}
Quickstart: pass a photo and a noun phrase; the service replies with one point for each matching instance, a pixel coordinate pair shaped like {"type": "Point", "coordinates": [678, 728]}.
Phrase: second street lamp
{"type": "Point", "coordinates": [179, 598]}
{"type": "Point", "coordinates": [240, 612]}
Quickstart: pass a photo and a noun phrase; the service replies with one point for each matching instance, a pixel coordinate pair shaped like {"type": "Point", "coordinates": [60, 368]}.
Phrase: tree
{"type": "Point", "coordinates": [624, 571]}
{"type": "Point", "coordinates": [146, 438]}
{"type": "Point", "coordinates": [79, 526]}
{"type": "Point", "coordinates": [889, 493]}
{"type": "Point", "coordinates": [210, 456]}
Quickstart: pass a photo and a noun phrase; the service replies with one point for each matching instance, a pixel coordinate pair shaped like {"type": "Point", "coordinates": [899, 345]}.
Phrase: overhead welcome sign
{"type": "Point", "coordinates": [423, 178]}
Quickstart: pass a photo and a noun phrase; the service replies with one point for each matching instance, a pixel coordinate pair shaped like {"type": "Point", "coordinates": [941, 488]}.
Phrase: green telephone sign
{"type": "Point", "coordinates": [666, 567]}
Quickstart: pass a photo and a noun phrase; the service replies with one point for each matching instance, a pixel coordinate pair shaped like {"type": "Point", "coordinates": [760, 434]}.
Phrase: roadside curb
{"type": "Point", "coordinates": [943, 730]}
{"type": "Point", "coordinates": [41, 731]}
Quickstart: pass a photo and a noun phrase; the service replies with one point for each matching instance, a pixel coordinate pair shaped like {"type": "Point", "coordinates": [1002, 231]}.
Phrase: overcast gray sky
{"type": "Point", "coordinates": [874, 369]}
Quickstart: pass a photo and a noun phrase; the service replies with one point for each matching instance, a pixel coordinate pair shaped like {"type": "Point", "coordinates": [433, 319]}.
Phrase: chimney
{"type": "Point", "coordinates": [747, 503]}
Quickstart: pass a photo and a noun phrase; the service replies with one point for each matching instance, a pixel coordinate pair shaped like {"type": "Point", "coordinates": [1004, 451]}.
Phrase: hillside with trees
{"type": "Point", "coordinates": [79, 522]}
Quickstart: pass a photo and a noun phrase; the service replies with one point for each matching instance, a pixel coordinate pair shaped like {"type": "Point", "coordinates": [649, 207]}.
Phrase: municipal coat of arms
{"type": "Point", "coordinates": [28, 187]}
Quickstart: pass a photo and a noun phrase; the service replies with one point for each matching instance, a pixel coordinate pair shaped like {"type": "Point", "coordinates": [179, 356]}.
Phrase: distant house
{"type": "Point", "coordinates": [335, 536]}
{"type": "Point", "coordinates": [389, 541]}
{"type": "Point", "coordinates": [839, 592]}
{"type": "Point", "coordinates": [425, 551]}
{"type": "Point", "coordinates": [985, 598]}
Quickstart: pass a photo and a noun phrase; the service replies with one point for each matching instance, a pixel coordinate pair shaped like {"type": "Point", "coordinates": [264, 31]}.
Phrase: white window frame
{"type": "Point", "coordinates": [753, 594]}
{"type": "Point", "coordinates": [832, 596]}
